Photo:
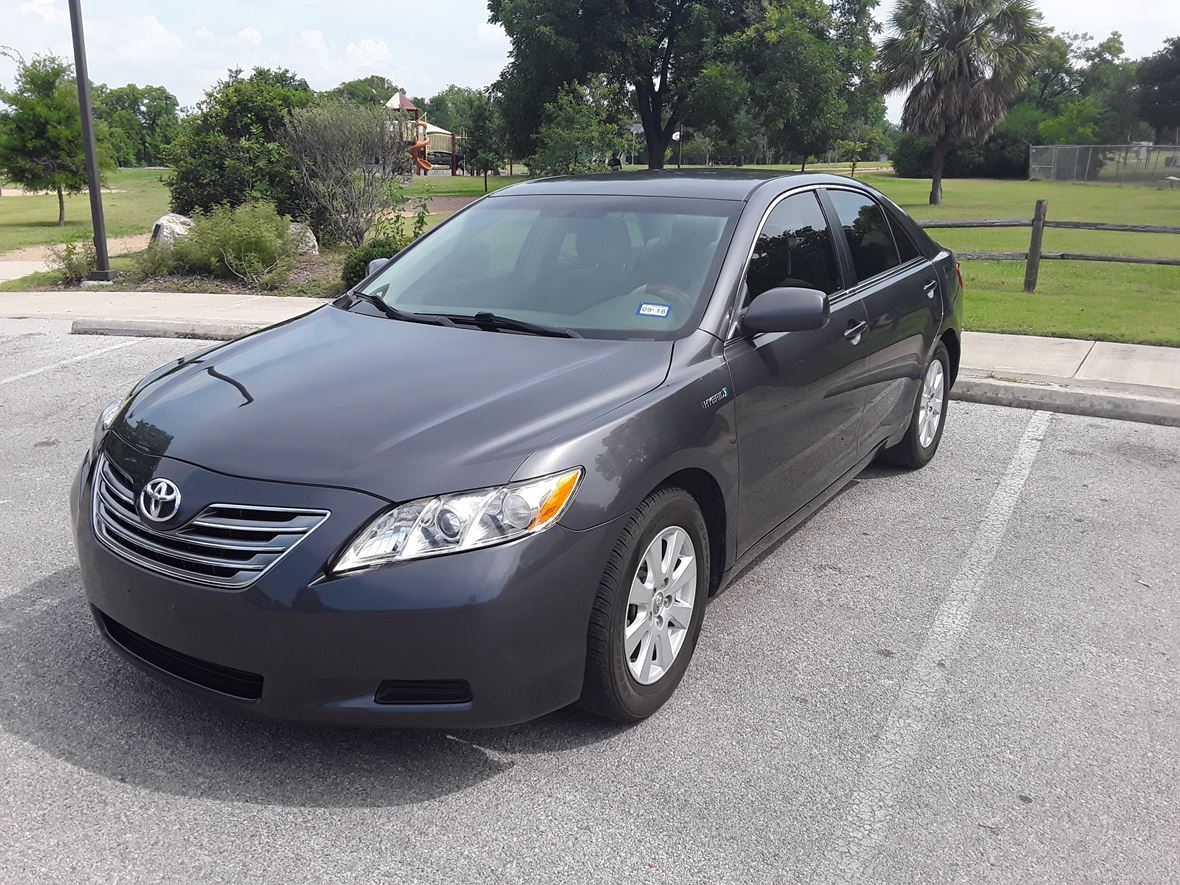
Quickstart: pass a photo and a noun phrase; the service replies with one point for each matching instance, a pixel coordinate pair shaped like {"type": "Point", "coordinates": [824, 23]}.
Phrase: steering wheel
{"type": "Point", "coordinates": [679, 298]}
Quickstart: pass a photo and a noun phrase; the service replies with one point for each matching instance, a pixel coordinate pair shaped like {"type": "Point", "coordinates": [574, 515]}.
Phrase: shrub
{"type": "Point", "coordinates": [389, 238]}
{"type": "Point", "coordinates": [1003, 155]}
{"type": "Point", "coordinates": [158, 260]}
{"type": "Point", "coordinates": [252, 243]}
{"type": "Point", "coordinates": [75, 261]}
{"type": "Point", "coordinates": [356, 263]}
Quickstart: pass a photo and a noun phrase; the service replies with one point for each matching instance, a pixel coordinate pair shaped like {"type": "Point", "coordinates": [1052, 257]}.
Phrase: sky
{"type": "Point", "coordinates": [421, 46]}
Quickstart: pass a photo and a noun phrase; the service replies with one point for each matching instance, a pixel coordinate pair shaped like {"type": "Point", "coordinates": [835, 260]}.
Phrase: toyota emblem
{"type": "Point", "coordinates": [159, 500]}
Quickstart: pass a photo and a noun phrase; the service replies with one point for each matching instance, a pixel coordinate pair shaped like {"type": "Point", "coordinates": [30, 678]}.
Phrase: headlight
{"type": "Point", "coordinates": [463, 521]}
{"type": "Point", "coordinates": [106, 418]}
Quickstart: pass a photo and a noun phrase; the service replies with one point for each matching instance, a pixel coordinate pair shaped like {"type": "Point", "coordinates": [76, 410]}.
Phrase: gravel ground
{"type": "Point", "coordinates": [965, 674]}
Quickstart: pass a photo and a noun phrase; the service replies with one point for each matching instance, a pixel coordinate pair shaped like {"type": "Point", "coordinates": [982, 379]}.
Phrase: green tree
{"type": "Point", "coordinates": [657, 48]}
{"type": "Point", "coordinates": [453, 108]}
{"type": "Point", "coordinates": [371, 90]}
{"type": "Point", "coordinates": [580, 130]}
{"type": "Point", "coordinates": [142, 122]}
{"type": "Point", "coordinates": [964, 61]}
{"type": "Point", "coordinates": [41, 145]}
{"type": "Point", "coordinates": [796, 86]}
{"type": "Point", "coordinates": [1158, 96]}
{"type": "Point", "coordinates": [230, 151]}
{"type": "Point", "coordinates": [483, 148]}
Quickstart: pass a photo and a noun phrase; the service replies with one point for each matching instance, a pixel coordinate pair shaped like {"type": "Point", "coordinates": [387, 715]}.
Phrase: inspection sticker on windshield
{"type": "Point", "coordinates": [648, 309]}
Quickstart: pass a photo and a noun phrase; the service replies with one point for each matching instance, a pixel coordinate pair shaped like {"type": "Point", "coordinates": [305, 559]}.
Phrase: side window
{"type": "Point", "coordinates": [905, 246]}
{"type": "Point", "coordinates": [869, 239]}
{"type": "Point", "coordinates": [794, 249]}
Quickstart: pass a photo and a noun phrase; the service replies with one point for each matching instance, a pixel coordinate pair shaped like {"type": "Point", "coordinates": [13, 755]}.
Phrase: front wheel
{"type": "Point", "coordinates": [922, 437]}
{"type": "Point", "coordinates": [648, 612]}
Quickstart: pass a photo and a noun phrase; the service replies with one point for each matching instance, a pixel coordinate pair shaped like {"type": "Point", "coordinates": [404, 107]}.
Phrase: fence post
{"type": "Point", "coordinates": [1032, 265]}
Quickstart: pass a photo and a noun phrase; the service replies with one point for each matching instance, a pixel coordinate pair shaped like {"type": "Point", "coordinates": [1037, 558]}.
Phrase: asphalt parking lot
{"type": "Point", "coordinates": [969, 673]}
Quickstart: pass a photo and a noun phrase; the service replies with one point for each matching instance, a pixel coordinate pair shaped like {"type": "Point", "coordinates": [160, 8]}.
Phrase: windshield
{"type": "Point", "coordinates": [606, 267]}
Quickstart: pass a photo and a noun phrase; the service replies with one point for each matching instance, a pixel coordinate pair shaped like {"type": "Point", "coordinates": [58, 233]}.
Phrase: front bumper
{"type": "Point", "coordinates": [509, 621]}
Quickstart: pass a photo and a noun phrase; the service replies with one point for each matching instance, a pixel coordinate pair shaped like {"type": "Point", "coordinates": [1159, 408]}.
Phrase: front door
{"type": "Point", "coordinates": [799, 396]}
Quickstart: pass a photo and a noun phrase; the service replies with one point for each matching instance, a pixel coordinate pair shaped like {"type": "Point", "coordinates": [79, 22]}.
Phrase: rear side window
{"type": "Point", "coordinates": [794, 249]}
{"type": "Point", "coordinates": [868, 234]}
{"type": "Point", "coordinates": [905, 246]}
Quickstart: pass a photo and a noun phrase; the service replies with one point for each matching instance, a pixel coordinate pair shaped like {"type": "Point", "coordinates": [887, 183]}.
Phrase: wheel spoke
{"type": "Point", "coordinates": [671, 551]}
{"type": "Point", "coordinates": [645, 657]}
{"type": "Point", "coordinates": [636, 632]}
{"type": "Point", "coordinates": [664, 654]}
{"type": "Point", "coordinates": [640, 593]}
{"type": "Point", "coordinates": [680, 614]}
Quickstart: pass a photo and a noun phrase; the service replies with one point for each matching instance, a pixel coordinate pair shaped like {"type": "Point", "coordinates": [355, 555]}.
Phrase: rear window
{"type": "Point", "coordinates": [867, 231]}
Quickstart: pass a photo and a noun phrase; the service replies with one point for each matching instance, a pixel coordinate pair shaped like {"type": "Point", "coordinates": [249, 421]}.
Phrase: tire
{"type": "Point", "coordinates": [612, 688]}
{"type": "Point", "coordinates": [911, 452]}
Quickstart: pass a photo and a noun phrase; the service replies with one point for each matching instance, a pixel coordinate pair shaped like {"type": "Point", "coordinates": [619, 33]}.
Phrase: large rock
{"type": "Point", "coordinates": [305, 242]}
{"type": "Point", "coordinates": [169, 228]}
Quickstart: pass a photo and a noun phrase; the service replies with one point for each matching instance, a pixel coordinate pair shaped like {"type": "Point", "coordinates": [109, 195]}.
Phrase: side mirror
{"type": "Point", "coordinates": [376, 264]}
{"type": "Point", "coordinates": [786, 310]}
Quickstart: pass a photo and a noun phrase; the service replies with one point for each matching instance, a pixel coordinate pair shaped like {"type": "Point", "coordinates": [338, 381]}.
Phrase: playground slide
{"type": "Point", "coordinates": [416, 155]}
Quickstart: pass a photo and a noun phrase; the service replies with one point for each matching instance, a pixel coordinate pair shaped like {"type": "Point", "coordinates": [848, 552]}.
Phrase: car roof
{"type": "Point", "coordinates": [710, 184]}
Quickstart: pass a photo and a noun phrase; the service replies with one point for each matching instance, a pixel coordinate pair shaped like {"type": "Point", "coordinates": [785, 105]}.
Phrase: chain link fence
{"type": "Point", "coordinates": [1118, 163]}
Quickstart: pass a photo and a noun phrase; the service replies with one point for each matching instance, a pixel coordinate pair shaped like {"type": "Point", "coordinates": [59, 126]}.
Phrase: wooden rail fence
{"type": "Point", "coordinates": [1035, 255]}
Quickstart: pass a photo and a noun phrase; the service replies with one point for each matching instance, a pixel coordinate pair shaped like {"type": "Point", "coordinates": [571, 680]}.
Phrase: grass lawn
{"type": "Point", "coordinates": [1074, 299]}
{"type": "Point", "coordinates": [32, 221]}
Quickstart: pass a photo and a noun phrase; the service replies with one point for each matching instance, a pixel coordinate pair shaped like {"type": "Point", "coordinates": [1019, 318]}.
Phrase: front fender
{"type": "Point", "coordinates": [688, 423]}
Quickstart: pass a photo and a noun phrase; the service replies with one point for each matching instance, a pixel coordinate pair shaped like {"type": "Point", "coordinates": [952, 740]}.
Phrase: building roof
{"type": "Point", "coordinates": [400, 102]}
{"type": "Point", "coordinates": [714, 184]}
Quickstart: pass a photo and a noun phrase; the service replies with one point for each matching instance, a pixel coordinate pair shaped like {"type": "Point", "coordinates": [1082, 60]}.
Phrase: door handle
{"type": "Point", "coordinates": [930, 288]}
{"type": "Point", "coordinates": [854, 331]}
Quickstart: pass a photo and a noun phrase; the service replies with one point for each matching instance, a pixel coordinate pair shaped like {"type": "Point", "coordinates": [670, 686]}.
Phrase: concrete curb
{"type": "Point", "coordinates": [204, 330]}
{"type": "Point", "coordinates": [1070, 400]}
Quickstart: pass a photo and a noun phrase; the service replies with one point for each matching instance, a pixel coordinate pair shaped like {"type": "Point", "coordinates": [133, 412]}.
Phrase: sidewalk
{"type": "Point", "coordinates": [1128, 381]}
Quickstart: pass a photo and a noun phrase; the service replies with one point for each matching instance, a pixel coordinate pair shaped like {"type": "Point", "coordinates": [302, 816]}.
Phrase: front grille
{"type": "Point", "coordinates": [225, 545]}
{"type": "Point", "coordinates": [236, 683]}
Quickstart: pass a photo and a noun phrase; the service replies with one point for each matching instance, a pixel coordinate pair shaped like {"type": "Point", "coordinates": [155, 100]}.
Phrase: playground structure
{"type": "Point", "coordinates": [426, 138]}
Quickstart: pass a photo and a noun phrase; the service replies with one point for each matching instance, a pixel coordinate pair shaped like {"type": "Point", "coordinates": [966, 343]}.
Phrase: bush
{"type": "Point", "coordinates": [158, 260]}
{"type": "Point", "coordinates": [356, 263]}
{"type": "Point", "coordinates": [1003, 155]}
{"type": "Point", "coordinates": [252, 243]}
{"type": "Point", "coordinates": [75, 261]}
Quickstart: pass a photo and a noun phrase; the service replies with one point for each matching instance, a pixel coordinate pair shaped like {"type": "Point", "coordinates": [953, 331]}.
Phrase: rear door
{"type": "Point", "coordinates": [899, 288]}
{"type": "Point", "coordinates": [799, 395]}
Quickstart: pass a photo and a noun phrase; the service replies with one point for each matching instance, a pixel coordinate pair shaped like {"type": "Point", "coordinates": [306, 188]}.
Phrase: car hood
{"type": "Point", "coordinates": [397, 409]}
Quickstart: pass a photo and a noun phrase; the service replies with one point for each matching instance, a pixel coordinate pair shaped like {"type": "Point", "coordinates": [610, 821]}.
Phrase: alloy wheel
{"type": "Point", "coordinates": [930, 404]}
{"type": "Point", "coordinates": [660, 604]}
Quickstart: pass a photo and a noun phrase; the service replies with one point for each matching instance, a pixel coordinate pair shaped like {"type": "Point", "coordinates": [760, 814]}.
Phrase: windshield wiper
{"type": "Point", "coordinates": [394, 314]}
{"type": "Point", "coordinates": [494, 322]}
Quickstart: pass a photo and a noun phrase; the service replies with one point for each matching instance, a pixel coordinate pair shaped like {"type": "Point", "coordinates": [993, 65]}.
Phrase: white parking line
{"type": "Point", "coordinates": [73, 359]}
{"type": "Point", "coordinates": [873, 802]}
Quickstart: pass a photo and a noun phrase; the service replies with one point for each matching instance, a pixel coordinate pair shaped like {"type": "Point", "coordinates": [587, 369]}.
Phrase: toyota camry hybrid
{"type": "Point", "coordinates": [507, 471]}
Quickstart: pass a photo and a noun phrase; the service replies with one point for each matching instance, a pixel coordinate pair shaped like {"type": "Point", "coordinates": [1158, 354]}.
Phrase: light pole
{"type": "Point", "coordinates": [104, 271]}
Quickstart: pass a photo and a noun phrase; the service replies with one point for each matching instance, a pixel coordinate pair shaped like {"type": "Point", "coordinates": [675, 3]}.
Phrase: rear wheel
{"type": "Point", "coordinates": [922, 437]}
{"type": "Point", "coordinates": [649, 609]}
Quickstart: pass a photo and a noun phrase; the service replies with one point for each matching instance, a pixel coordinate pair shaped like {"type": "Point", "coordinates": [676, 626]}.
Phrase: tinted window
{"type": "Point", "coordinates": [905, 246]}
{"type": "Point", "coordinates": [868, 233]}
{"type": "Point", "coordinates": [794, 249]}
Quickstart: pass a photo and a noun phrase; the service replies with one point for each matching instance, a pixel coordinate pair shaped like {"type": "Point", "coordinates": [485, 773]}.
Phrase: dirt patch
{"type": "Point", "coordinates": [115, 245]}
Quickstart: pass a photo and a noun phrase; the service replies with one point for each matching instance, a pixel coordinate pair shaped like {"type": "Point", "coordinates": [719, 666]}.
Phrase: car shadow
{"type": "Point", "coordinates": [65, 692]}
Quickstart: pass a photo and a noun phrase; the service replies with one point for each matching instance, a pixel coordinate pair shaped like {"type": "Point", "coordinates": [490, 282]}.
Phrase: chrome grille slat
{"type": "Point", "coordinates": [152, 546]}
{"type": "Point", "coordinates": [221, 546]}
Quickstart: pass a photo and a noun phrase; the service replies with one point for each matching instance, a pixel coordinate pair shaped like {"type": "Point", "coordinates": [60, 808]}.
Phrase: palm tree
{"type": "Point", "coordinates": [966, 60]}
